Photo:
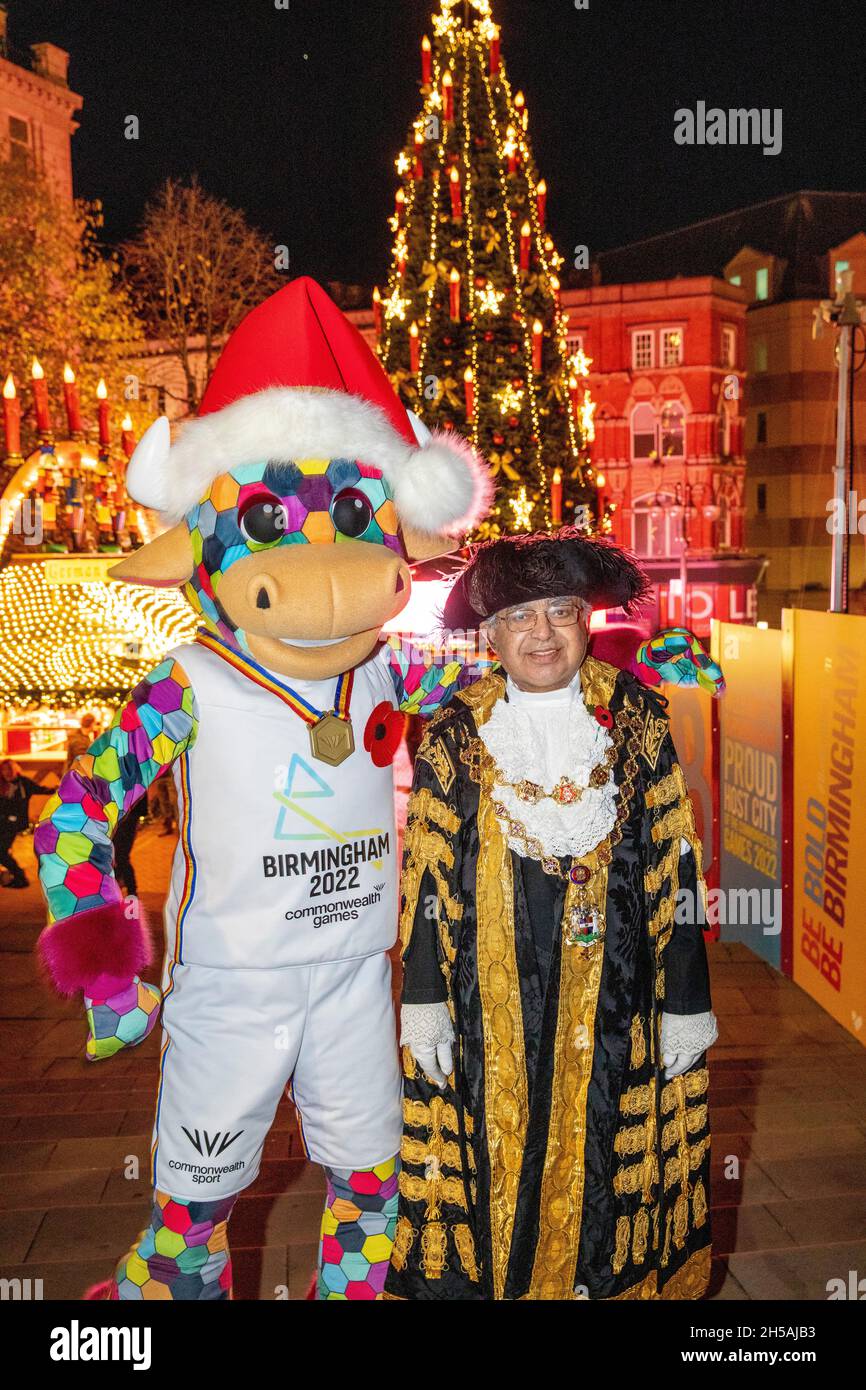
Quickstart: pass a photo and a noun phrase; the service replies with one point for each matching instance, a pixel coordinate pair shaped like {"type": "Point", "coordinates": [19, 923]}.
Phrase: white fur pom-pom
{"type": "Point", "coordinates": [443, 487]}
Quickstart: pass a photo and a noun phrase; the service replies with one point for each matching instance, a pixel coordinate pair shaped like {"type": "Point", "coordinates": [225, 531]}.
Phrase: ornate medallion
{"type": "Point", "coordinates": [332, 740]}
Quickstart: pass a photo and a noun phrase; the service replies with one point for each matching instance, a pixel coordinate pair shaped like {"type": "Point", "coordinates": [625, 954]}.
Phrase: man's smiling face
{"type": "Point", "coordinates": [541, 644]}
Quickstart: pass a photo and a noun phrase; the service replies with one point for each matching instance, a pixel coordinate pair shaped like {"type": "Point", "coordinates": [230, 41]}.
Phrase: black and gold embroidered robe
{"type": "Point", "coordinates": [558, 1162]}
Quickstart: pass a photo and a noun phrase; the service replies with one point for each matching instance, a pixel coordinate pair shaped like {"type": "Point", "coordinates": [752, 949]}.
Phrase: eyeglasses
{"type": "Point", "coordinates": [560, 613]}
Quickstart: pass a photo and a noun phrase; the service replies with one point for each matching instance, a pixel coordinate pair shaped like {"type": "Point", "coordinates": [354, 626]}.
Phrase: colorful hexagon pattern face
{"type": "Point", "coordinates": [73, 838]}
{"type": "Point", "coordinates": [183, 1253]}
{"type": "Point", "coordinates": [259, 506]}
{"type": "Point", "coordinates": [358, 1231]}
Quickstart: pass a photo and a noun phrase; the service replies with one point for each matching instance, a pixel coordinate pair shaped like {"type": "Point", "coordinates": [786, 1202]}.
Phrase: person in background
{"type": "Point", "coordinates": [80, 739]}
{"type": "Point", "coordinates": [124, 839]}
{"type": "Point", "coordinates": [163, 804]}
{"type": "Point", "coordinates": [15, 793]}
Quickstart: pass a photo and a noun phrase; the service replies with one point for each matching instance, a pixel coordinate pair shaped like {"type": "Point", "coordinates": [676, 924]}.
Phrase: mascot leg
{"type": "Point", "coordinates": [182, 1254]}
{"type": "Point", "coordinates": [358, 1231]}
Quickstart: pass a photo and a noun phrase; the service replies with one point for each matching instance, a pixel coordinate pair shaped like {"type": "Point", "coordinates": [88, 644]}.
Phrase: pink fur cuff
{"type": "Point", "coordinates": [103, 945]}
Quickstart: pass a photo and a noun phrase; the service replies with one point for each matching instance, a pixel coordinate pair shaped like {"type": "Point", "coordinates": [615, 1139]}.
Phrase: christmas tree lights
{"type": "Point", "coordinates": [470, 327]}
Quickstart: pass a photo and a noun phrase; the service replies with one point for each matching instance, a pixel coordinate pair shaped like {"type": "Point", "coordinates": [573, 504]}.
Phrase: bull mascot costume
{"type": "Point", "coordinates": [295, 505]}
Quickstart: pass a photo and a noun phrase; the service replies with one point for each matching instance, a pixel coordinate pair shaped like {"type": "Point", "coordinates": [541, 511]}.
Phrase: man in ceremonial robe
{"type": "Point", "coordinates": [556, 1006]}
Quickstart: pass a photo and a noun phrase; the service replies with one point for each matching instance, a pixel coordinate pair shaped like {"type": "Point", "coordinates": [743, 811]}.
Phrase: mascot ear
{"type": "Point", "coordinates": [420, 545]}
{"type": "Point", "coordinates": [161, 564]}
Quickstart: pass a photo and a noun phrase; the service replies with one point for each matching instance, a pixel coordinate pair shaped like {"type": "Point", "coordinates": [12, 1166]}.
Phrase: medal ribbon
{"type": "Point", "coordinates": [295, 702]}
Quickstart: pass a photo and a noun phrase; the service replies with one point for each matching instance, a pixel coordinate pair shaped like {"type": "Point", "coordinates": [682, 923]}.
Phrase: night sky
{"type": "Point", "coordinates": [297, 117]}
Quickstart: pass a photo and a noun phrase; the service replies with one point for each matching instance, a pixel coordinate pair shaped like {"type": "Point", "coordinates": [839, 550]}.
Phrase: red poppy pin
{"type": "Point", "coordinates": [383, 734]}
{"type": "Point", "coordinates": [604, 716]}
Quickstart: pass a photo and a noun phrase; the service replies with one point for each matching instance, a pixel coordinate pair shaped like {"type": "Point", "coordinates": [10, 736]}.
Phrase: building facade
{"type": "Point", "coordinates": [37, 110]}
{"type": "Point", "coordinates": [666, 363]}
{"type": "Point", "coordinates": [784, 256]}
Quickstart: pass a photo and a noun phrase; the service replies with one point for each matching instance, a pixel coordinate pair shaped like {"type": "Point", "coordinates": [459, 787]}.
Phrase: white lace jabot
{"type": "Point", "coordinates": [542, 737]}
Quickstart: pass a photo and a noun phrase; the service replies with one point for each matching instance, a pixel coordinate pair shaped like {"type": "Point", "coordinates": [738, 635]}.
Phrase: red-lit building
{"type": "Point", "coordinates": [667, 375]}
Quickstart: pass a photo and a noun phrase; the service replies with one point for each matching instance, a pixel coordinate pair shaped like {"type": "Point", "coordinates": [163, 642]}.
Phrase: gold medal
{"type": "Point", "coordinates": [332, 740]}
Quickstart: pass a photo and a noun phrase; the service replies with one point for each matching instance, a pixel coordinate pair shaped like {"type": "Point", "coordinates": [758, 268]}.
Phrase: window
{"type": "Point", "coordinates": [759, 354]}
{"type": "Point", "coordinates": [654, 531]}
{"type": "Point", "coordinates": [673, 431]}
{"type": "Point", "coordinates": [723, 438]}
{"type": "Point", "coordinates": [642, 349]}
{"type": "Point", "coordinates": [735, 280]}
{"type": "Point", "coordinates": [839, 269]}
{"type": "Point", "coordinates": [761, 432]}
{"type": "Point", "coordinates": [762, 283]}
{"type": "Point", "coordinates": [644, 444]}
{"type": "Point", "coordinates": [574, 343]}
{"type": "Point", "coordinates": [729, 346]}
{"type": "Point", "coordinates": [762, 497]}
{"type": "Point", "coordinates": [19, 140]}
{"type": "Point", "coordinates": [672, 347]}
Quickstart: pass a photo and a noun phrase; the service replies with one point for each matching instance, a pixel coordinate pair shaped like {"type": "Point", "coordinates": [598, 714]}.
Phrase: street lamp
{"type": "Point", "coordinates": [845, 313]}
{"type": "Point", "coordinates": [680, 509]}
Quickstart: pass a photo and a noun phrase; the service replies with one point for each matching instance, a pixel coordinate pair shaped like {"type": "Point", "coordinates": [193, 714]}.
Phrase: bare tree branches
{"type": "Point", "coordinates": [194, 269]}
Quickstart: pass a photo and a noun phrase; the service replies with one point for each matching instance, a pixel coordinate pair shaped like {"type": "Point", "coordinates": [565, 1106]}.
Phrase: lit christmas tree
{"type": "Point", "coordinates": [470, 328]}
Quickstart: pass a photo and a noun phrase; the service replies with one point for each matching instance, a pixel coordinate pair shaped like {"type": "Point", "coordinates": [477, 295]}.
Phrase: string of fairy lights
{"type": "Point", "coordinates": [66, 643]}
{"type": "Point", "coordinates": [461, 56]}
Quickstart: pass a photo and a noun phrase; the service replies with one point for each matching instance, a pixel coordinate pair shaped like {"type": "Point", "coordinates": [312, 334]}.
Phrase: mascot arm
{"type": "Point", "coordinates": [96, 941]}
{"type": "Point", "coordinates": [426, 679]}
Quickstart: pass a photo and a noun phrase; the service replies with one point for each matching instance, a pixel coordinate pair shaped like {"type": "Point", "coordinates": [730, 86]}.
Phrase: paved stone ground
{"type": "Point", "coordinates": [787, 1101]}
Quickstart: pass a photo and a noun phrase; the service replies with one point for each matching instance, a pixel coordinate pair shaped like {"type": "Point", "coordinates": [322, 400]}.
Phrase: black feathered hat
{"type": "Point", "coordinates": [520, 569]}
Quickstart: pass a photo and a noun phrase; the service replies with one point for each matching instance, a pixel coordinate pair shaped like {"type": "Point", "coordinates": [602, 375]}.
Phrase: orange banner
{"type": "Point", "coordinates": [826, 666]}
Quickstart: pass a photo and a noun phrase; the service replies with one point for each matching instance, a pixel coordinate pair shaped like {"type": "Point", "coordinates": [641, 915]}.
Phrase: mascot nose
{"type": "Point", "coordinates": [317, 591]}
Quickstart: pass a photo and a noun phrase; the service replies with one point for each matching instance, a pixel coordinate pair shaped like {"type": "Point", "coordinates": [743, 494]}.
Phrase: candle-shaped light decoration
{"type": "Point", "coordinates": [455, 295]}
{"type": "Point", "coordinates": [542, 202]}
{"type": "Point", "coordinates": [448, 95]}
{"type": "Point", "coordinates": [510, 149]}
{"type": "Point", "coordinates": [418, 170]}
{"type": "Point", "coordinates": [40, 400]}
{"type": "Point", "coordinates": [556, 287]}
{"type": "Point", "coordinates": [377, 312]}
{"type": "Point", "coordinates": [12, 418]}
{"type": "Point", "coordinates": [469, 387]}
{"type": "Point", "coordinates": [574, 395]}
{"type": "Point", "coordinates": [127, 436]}
{"type": "Point", "coordinates": [520, 107]}
{"type": "Point", "coordinates": [102, 398]}
{"type": "Point", "coordinates": [537, 343]}
{"type": "Point", "coordinates": [495, 52]}
{"type": "Point", "coordinates": [73, 404]}
{"type": "Point", "coordinates": [525, 245]}
{"type": "Point", "coordinates": [426, 61]}
{"type": "Point", "coordinates": [399, 206]}
{"type": "Point", "coordinates": [556, 498]}
{"type": "Point", "coordinates": [414, 348]}
{"type": "Point", "coordinates": [456, 197]}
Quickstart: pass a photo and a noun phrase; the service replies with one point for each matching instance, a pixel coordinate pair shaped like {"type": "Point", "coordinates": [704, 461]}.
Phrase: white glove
{"type": "Point", "coordinates": [427, 1031]}
{"type": "Point", "coordinates": [683, 1038]}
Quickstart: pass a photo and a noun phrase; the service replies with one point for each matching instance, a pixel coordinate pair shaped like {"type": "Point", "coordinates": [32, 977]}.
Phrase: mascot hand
{"type": "Point", "coordinates": [676, 656]}
{"type": "Point", "coordinates": [427, 1031]}
{"type": "Point", "coordinates": [124, 1019]}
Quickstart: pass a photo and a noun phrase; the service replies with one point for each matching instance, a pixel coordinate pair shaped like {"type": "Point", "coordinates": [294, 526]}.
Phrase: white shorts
{"type": "Point", "coordinates": [233, 1040]}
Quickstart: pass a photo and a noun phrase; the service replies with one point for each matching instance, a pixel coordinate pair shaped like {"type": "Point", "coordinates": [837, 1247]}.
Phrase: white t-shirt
{"type": "Point", "coordinates": [282, 859]}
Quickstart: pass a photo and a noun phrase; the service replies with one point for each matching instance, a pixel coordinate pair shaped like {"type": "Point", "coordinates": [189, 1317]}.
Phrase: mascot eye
{"type": "Point", "coordinates": [264, 520]}
{"type": "Point", "coordinates": [351, 513]}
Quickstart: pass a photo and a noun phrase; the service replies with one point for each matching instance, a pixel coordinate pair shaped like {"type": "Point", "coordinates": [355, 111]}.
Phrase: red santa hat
{"type": "Point", "coordinates": [297, 381]}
